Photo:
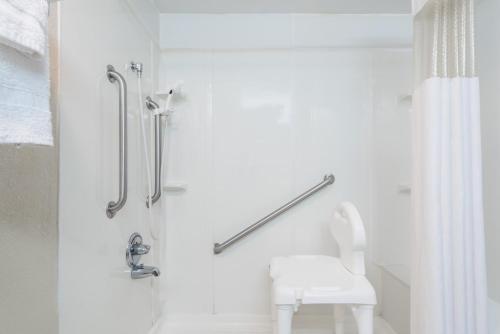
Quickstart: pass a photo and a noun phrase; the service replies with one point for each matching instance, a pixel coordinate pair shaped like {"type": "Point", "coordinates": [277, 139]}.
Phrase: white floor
{"type": "Point", "coordinates": [220, 324]}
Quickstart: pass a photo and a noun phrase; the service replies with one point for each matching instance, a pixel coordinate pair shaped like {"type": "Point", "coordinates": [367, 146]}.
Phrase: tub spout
{"type": "Point", "coordinates": [142, 271]}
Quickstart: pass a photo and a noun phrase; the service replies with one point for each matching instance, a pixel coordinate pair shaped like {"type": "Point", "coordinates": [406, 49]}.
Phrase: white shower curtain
{"type": "Point", "coordinates": [448, 265]}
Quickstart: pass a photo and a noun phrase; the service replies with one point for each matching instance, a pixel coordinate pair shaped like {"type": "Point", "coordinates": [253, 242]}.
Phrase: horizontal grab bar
{"type": "Point", "coordinates": [327, 180]}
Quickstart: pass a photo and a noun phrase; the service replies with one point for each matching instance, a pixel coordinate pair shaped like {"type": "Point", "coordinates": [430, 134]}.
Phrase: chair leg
{"type": "Point", "coordinates": [273, 308]}
{"type": "Point", "coordinates": [339, 315]}
{"type": "Point", "coordinates": [273, 316]}
{"type": "Point", "coordinates": [364, 318]}
{"type": "Point", "coordinates": [284, 315]}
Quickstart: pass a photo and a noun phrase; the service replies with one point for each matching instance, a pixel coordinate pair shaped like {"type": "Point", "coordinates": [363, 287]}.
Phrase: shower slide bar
{"type": "Point", "coordinates": [327, 180]}
{"type": "Point", "coordinates": [114, 76]}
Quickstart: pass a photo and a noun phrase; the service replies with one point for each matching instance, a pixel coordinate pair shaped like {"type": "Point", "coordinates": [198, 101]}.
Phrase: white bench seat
{"type": "Point", "coordinates": [319, 279]}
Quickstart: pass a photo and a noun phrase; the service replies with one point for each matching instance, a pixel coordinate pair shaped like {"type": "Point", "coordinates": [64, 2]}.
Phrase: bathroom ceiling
{"type": "Point", "coordinates": [284, 6]}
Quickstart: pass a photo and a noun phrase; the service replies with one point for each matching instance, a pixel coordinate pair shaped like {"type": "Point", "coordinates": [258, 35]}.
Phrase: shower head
{"type": "Point", "coordinates": [176, 88]}
{"type": "Point", "coordinates": [151, 105]}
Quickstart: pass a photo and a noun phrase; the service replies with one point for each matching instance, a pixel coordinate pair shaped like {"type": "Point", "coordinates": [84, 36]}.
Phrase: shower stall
{"type": "Point", "coordinates": [259, 101]}
{"type": "Point", "coordinates": [267, 101]}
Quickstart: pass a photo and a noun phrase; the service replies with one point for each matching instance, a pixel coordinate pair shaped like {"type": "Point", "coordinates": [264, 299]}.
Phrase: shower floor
{"type": "Point", "coordinates": [220, 324]}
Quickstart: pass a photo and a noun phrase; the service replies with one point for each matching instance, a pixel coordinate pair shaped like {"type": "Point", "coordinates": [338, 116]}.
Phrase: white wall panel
{"type": "Point", "coordinates": [285, 6]}
{"type": "Point", "coordinates": [352, 30]}
{"type": "Point", "coordinates": [96, 294]}
{"type": "Point", "coordinates": [233, 31]}
{"type": "Point", "coordinates": [188, 280]}
{"type": "Point", "coordinates": [253, 31]}
{"type": "Point", "coordinates": [392, 156]}
{"type": "Point", "coordinates": [251, 130]}
{"type": "Point", "coordinates": [252, 170]}
{"type": "Point", "coordinates": [488, 59]}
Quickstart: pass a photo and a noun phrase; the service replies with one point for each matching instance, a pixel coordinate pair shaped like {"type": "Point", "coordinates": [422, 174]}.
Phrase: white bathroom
{"type": "Point", "coordinates": [249, 167]}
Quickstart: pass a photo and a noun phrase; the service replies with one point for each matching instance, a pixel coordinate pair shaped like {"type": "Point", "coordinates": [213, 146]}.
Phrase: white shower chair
{"type": "Point", "coordinates": [318, 279]}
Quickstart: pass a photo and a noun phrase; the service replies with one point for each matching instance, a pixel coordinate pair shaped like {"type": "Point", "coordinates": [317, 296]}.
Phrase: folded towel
{"type": "Point", "coordinates": [24, 98]}
{"type": "Point", "coordinates": [23, 25]}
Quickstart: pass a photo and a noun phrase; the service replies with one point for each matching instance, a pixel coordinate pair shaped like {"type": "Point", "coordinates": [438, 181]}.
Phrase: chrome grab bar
{"type": "Point", "coordinates": [113, 76]}
{"type": "Point", "coordinates": [327, 180]}
{"type": "Point", "coordinates": [158, 151]}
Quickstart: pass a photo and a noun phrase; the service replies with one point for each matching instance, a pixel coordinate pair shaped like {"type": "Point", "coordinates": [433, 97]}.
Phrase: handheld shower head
{"type": "Point", "coordinates": [176, 88]}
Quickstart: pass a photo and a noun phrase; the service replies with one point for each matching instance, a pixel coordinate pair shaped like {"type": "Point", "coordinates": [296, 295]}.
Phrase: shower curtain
{"type": "Point", "coordinates": [448, 263]}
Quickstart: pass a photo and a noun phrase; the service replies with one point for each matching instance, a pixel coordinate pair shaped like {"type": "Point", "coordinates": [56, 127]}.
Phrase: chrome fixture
{"type": "Point", "coordinates": [142, 271]}
{"type": "Point", "coordinates": [135, 250]}
{"type": "Point", "coordinates": [136, 67]}
{"type": "Point", "coordinates": [113, 76]}
{"type": "Point", "coordinates": [153, 106]}
{"type": "Point", "coordinates": [327, 180]}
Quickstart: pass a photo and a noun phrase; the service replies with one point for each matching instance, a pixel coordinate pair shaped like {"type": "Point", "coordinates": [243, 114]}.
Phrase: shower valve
{"type": "Point", "coordinates": [135, 250]}
{"type": "Point", "coordinates": [140, 249]}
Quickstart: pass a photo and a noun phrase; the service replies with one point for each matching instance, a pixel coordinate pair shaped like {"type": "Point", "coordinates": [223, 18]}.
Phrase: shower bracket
{"type": "Point", "coordinates": [137, 67]}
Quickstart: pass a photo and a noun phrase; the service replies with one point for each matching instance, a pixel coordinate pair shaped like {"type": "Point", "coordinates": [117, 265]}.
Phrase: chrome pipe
{"type": "Point", "coordinates": [151, 105]}
{"type": "Point", "coordinates": [113, 76]}
{"type": "Point", "coordinates": [327, 180]}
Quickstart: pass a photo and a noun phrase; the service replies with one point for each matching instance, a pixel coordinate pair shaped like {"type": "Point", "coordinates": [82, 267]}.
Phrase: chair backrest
{"type": "Point", "coordinates": [347, 228]}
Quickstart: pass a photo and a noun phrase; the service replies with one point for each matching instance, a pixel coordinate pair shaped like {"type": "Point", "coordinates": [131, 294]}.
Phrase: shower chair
{"type": "Point", "coordinates": [318, 279]}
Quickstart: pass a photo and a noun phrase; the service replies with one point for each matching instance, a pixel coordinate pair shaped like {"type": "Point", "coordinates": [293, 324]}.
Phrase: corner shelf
{"type": "Point", "coordinates": [162, 94]}
{"type": "Point", "coordinates": [175, 187]}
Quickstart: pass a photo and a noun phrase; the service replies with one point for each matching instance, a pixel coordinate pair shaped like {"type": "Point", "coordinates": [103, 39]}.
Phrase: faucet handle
{"type": "Point", "coordinates": [140, 249]}
{"type": "Point", "coordinates": [135, 250]}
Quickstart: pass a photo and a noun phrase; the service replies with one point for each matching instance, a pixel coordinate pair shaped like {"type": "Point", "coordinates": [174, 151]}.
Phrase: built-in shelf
{"type": "Point", "coordinates": [175, 187]}
{"type": "Point", "coordinates": [404, 189]}
{"type": "Point", "coordinates": [399, 271]}
{"type": "Point", "coordinates": [405, 99]}
{"type": "Point", "coordinates": [162, 94]}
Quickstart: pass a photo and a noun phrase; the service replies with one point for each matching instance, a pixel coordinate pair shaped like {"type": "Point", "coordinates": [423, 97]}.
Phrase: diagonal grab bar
{"type": "Point", "coordinates": [113, 76]}
{"type": "Point", "coordinates": [327, 180]}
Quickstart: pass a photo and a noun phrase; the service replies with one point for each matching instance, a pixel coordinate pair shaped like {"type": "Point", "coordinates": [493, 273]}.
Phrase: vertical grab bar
{"type": "Point", "coordinates": [113, 76]}
{"type": "Point", "coordinates": [158, 151]}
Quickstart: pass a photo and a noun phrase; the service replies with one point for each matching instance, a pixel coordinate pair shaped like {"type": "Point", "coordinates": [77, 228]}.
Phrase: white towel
{"type": "Point", "coordinates": [24, 99]}
{"type": "Point", "coordinates": [23, 25]}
